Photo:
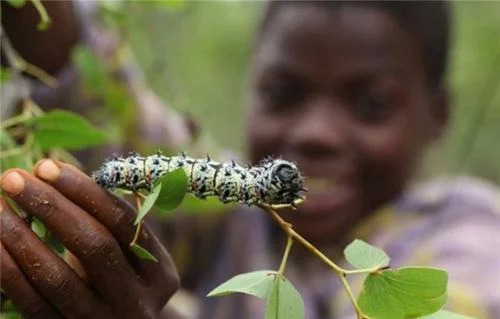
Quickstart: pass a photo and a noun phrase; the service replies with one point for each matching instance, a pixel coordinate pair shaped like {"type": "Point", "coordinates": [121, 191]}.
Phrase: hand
{"type": "Point", "coordinates": [96, 228]}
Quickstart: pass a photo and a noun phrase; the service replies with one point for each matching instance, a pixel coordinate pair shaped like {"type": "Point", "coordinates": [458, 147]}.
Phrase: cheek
{"type": "Point", "coordinates": [266, 134]}
{"type": "Point", "coordinates": [389, 155]}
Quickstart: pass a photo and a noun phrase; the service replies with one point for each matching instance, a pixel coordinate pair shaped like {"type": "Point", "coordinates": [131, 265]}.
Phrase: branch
{"type": "Point", "coordinates": [20, 65]}
{"type": "Point", "coordinates": [44, 17]}
{"type": "Point", "coordinates": [339, 271]}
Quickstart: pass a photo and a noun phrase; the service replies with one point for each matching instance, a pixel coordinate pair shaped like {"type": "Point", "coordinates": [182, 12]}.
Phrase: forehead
{"type": "Point", "coordinates": [346, 39]}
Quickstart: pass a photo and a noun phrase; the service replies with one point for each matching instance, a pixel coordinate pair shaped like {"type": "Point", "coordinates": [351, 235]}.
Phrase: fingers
{"type": "Point", "coordinates": [46, 271]}
{"type": "Point", "coordinates": [117, 215]}
{"type": "Point", "coordinates": [101, 256]}
{"type": "Point", "coordinates": [21, 292]}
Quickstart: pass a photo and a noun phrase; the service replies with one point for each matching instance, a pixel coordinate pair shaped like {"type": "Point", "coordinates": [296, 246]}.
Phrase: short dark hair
{"type": "Point", "coordinates": [428, 21]}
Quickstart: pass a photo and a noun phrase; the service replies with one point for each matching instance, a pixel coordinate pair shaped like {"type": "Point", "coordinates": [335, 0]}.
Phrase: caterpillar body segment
{"type": "Point", "coordinates": [272, 183]}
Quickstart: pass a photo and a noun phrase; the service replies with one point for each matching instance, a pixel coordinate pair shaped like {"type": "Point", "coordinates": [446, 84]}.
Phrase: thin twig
{"type": "Point", "coordinates": [287, 227]}
{"type": "Point", "coordinates": [18, 119]}
{"type": "Point", "coordinates": [139, 226]}
{"type": "Point", "coordinates": [347, 288]}
{"type": "Point", "coordinates": [45, 20]}
{"type": "Point", "coordinates": [339, 271]}
{"type": "Point", "coordinates": [20, 65]}
{"type": "Point", "coordinates": [25, 148]}
{"type": "Point", "coordinates": [289, 243]}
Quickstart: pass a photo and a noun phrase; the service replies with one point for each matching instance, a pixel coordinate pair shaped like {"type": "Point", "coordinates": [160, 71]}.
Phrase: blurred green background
{"type": "Point", "coordinates": [196, 57]}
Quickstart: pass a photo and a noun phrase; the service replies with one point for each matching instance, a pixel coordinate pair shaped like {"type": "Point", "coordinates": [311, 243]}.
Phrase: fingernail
{"type": "Point", "coordinates": [12, 183]}
{"type": "Point", "coordinates": [48, 170]}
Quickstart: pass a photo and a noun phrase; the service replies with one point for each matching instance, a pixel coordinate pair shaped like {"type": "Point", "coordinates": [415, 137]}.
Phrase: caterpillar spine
{"type": "Point", "coordinates": [274, 182]}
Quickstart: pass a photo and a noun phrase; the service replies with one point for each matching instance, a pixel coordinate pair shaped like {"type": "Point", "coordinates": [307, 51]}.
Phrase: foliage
{"type": "Point", "coordinates": [44, 132]}
{"type": "Point", "coordinates": [257, 283]}
{"type": "Point", "coordinates": [208, 77]}
{"type": "Point", "coordinates": [408, 292]}
{"type": "Point", "coordinates": [197, 58]}
{"type": "Point", "coordinates": [283, 300]}
{"type": "Point", "coordinates": [403, 293]}
{"type": "Point", "coordinates": [64, 129]}
{"type": "Point", "coordinates": [17, 3]}
{"type": "Point", "coordinates": [364, 256]}
{"type": "Point", "coordinates": [443, 314]}
{"type": "Point", "coordinates": [142, 253]}
{"type": "Point", "coordinates": [173, 189]}
{"type": "Point", "coordinates": [167, 195]}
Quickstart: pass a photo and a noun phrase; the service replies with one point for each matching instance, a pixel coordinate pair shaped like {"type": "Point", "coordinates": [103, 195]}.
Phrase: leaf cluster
{"type": "Point", "coordinates": [409, 292]}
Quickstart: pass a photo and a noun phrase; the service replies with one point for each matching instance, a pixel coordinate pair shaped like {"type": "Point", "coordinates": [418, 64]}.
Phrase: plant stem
{"type": "Point", "coordinates": [360, 271]}
{"type": "Point", "coordinates": [289, 243]}
{"type": "Point", "coordinates": [44, 17]}
{"type": "Point", "coordinates": [23, 117]}
{"type": "Point", "coordinates": [20, 65]}
{"type": "Point", "coordinates": [339, 271]}
{"type": "Point", "coordinates": [139, 226]}
{"type": "Point", "coordinates": [25, 148]}
{"type": "Point", "coordinates": [287, 227]}
{"type": "Point", "coordinates": [347, 288]}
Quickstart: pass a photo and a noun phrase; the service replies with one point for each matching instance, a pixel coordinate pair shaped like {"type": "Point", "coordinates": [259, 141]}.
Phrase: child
{"type": "Point", "coordinates": [353, 93]}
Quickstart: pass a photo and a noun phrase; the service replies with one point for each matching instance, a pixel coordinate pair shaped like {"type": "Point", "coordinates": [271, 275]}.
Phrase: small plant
{"type": "Point", "coordinates": [408, 292]}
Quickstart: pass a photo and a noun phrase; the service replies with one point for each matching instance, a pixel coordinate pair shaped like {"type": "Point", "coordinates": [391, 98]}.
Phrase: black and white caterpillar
{"type": "Point", "coordinates": [274, 182]}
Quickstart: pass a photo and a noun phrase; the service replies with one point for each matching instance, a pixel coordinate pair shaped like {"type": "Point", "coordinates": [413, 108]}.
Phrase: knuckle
{"type": "Point", "coordinates": [99, 245]}
{"type": "Point", "coordinates": [10, 231]}
{"type": "Point", "coordinates": [57, 281]}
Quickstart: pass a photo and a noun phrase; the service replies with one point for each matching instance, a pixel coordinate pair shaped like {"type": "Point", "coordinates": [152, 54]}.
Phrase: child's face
{"type": "Point", "coordinates": [342, 93]}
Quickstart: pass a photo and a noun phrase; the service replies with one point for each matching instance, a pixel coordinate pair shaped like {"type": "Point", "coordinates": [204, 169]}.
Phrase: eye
{"type": "Point", "coordinates": [372, 106]}
{"type": "Point", "coordinates": [281, 93]}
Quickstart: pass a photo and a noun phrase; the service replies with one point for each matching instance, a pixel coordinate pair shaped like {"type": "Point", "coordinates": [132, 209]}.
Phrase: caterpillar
{"type": "Point", "coordinates": [274, 183]}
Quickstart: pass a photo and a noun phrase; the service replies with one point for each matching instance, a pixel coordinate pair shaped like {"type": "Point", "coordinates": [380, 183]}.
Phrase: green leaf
{"type": "Point", "coordinates": [443, 314]}
{"type": "Point", "coordinates": [408, 292]}
{"type": "Point", "coordinates": [148, 203]}
{"type": "Point", "coordinates": [65, 129]}
{"type": "Point", "coordinates": [92, 70]}
{"type": "Point", "coordinates": [362, 255]}
{"type": "Point", "coordinates": [257, 283]}
{"type": "Point", "coordinates": [284, 301]}
{"type": "Point", "coordinates": [4, 75]}
{"type": "Point", "coordinates": [17, 3]}
{"type": "Point", "coordinates": [11, 315]}
{"type": "Point", "coordinates": [38, 228]}
{"type": "Point", "coordinates": [194, 205]}
{"type": "Point", "coordinates": [43, 25]}
{"type": "Point", "coordinates": [171, 4]}
{"type": "Point", "coordinates": [20, 160]}
{"type": "Point", "coordinates": [142, 253]}
{"type": "Point", "coordinates": [173, 189]}
{"type": "Point", "coordinates": [167, 194]}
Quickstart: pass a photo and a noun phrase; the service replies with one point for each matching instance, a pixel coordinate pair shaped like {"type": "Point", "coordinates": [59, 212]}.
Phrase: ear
{"type": "Point", "coordinates": [440, 112]}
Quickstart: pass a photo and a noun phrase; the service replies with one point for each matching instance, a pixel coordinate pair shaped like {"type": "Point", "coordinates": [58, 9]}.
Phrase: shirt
{"type": "Point", "coordinates": [450, 223]}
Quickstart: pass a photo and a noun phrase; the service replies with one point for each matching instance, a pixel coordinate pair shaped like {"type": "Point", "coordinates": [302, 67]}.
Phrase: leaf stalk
{"type": "Point", "coordinates": [339, 271]}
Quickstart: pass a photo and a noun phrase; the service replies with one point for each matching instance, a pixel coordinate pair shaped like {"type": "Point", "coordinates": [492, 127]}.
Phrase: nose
{"type": "Point", "coordinates": [321, 131]}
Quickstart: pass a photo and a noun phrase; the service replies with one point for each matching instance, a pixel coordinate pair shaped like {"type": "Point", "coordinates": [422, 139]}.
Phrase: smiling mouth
{"type": "Point", "coordinates": [327, 196]}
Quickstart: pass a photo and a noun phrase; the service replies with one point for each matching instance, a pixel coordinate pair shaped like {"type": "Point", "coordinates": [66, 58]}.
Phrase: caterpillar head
{"type": "Point", "coordinates": [286, 182]}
